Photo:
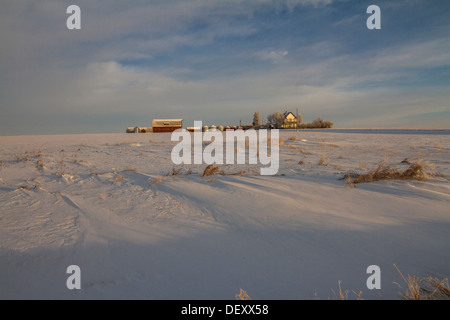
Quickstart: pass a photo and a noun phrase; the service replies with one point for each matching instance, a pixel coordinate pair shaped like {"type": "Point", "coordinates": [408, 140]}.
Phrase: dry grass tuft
{"type": "Point", "coordinates": [417, 288]}
{"type": "Point", "coordinates": [238, 173]}
{"type": "Point", "coordinates": [406, 160]}
{"type": "Point", "coordinates": [242, 295]}
{"type": "Point", "coordinates": [435, 289]}
{"type": "Point", "coordinates": [25, 187]}
{"type": "Point", "coordinates": [293, 138]}
{"type": "Point", "coordinates": [119, 178]}
{"type": "Point", "coordinates": [332, 144]}
{"type": "Point", "coordinates": [427, 288]}
{"type": "Point", "coordinates": [39, 165]}
{"type": "Point", "coordinates": [322, 161]}
{"type": "Point", "coordinates": [21, 158]}
{"type": "Point", "coordinates": [157, 180]}
{"type": "Point", "coordinates": [174, 172]}
{"type": "Point", "coordinates": [343, 294]}
{"type": "Point", "coordinates": [419, 170]}
{"type": "Point", "coordinates": [123, 143]}
{"type": "Point", "coordinates": [211, 170]}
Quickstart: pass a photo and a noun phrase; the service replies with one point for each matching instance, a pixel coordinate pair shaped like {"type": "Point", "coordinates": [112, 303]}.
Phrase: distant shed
{"type": "Point", "coordinates": [193, 129]}
{"type": "Point", "coordinates": [138, 129]}
{"type": "Point", "coordinates": [166, 125]}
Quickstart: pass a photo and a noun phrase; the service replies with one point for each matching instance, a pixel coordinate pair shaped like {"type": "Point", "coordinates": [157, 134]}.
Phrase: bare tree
{"type": "Point", "coordinates": [275, 119]}
{"type": "Point", "coordinates": [256, 119]}
{"type": "Point", "coordinates": [299, 118]}
{"type": "Point", "coordinates": [318, 123]}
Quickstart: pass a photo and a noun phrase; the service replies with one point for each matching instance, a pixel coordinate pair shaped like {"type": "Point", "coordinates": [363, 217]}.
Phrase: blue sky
{"type": "Point", "coordinates": [220, 61]}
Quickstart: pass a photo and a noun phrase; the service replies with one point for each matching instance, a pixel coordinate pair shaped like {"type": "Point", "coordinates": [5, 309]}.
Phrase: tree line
{"type": "Point", "coordinates": [276, 120]}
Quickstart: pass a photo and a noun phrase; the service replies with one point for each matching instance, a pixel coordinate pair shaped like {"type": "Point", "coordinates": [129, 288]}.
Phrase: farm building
{"type": "Point", "coordinates": [289, 120]}
{"type": "Point", "coordinates": [193, 129]}
{"type": "Point", "coordinates": [138, 129]}
{"type": "Point", "coordinates": [166, 125]}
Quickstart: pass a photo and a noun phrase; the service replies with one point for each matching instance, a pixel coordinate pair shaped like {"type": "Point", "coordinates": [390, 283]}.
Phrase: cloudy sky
{"type": "Point", "coordinates": [220, 61]}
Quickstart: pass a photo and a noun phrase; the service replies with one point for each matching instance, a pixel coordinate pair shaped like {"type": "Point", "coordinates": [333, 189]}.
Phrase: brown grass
{"type": "Point", "coordinates": [174, 172]}
{"type": "Point", "coordinates": [30, 156]}
{"type": "Point", "coordinates": [242, 295]}
{"type": "Point", "coordinates": [21, 158]}
{"type": "Point", "coordinates": [424, 288]}
{"type": "Point", "coordinates": [211, 170]}
{"type": "Point", "coordinates": [119, 178]}
{"type": "Point", "coordinates": [123, 143]}
{"type": "Point", "coordinates": [435, 289]}
{"type": "Point", "coordinates": [406, 160]}
{"type": "Point", "coordinates": [343, 294]}
{"type": "Point", "coordinates": [332, 145]}
{"type": "Point", "coordinates": [100, 173]}
{"type": "Point", "coordinates": [24, 187]}
{"type": "Point", "coordinates": [157, 180]}
{"type": "Point", "coordinates": [238, 173]}
{"type": "Point", "coordinates": [417, 288]}
{"type": "Point", "coordinates": [39, 165]}
{"type": "Point", "coordinates": [419, 170]}
{"type": "Point", "coordinates": [322, 161]}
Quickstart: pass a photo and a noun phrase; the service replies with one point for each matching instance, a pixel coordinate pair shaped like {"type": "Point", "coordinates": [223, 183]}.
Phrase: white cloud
{"type": "Point", "coordinates": [274, 56]}
{"type": "Point", "coordinates": [314, 3]}
{"type": "Point", "coordinates": [430, 53]}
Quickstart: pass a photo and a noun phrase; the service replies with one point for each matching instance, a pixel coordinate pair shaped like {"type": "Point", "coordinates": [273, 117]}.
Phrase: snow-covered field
{"type": "Point", "coordinates": [104, 202]}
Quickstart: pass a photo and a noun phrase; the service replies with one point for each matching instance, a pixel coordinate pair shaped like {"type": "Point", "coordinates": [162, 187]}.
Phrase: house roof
{"type": "Point", "coordinates": [286, 113]}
